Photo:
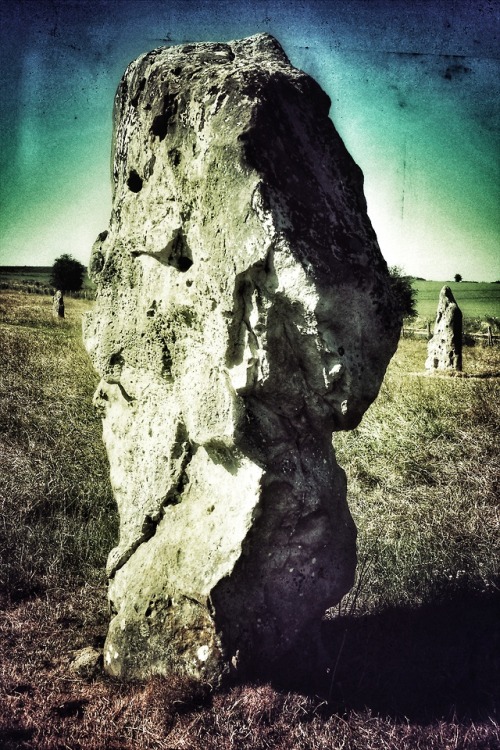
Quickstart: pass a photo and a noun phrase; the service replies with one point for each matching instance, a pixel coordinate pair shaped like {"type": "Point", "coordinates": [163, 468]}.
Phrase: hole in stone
{"type": "Point", "coordinates": [175, 156]}
{"type": "Point", "coordinates": [148, 528]}
{"type": "Point", "coordinates": [180, 254]}
{"type": "Point", "coordinates": [134, 182]}
{"type": "Point", "coordinates": [160, 126]}
{"type": "Point", "coordinates": [134, 102]}
{"type": "Point", "coordinates": [116, 359]}
{"type": "Point", "coordinates": [341, 351]}
{"type": "Point", "coordinates": [166, 360]}
{"type": "Point", "coordinates": [160, 123]}
{"type": "Point", "coordinates": [184, 263]}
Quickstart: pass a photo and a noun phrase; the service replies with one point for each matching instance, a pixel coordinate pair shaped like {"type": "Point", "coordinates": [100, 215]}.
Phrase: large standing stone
{"type": "Point", "coordinates": [243, 313]}
{"type": "Point", "coordinates": [444, 350]}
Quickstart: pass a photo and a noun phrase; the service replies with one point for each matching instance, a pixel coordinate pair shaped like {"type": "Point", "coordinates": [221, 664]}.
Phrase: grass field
{"type": "Point", "coordinates": [26, 274]}
{"type": "Point", "coordinates": [477, 301]}
{"type": "Point", "coordinates": [409, 659]}
{"type": "Point", "coordinates": [33, 279]}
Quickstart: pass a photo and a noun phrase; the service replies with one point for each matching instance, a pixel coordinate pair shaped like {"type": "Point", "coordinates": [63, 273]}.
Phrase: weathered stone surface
{"type": "Point", "coordinates": [243, 313]}
{"type": "Point", "coordinates": [444, 350]}
{"type": "Point", "coordinates": [58, 305]}
{"type": "Point", "coordinates": [87, 662]}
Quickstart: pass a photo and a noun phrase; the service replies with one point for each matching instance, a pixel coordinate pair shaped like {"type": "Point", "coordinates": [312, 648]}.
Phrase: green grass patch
{"type": "Point", "coordinates": [36, 280]}
{"type": "Point", "coordinates": [476, 300]}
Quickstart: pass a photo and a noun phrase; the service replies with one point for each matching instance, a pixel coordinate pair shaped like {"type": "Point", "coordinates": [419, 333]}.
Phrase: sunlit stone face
{"type": "Point", "coordinates": [243, 313]}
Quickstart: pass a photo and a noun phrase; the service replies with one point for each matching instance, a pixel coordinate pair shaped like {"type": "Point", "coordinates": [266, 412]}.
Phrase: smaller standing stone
{"type": "Point", "coordinates": [58, 304]}
{"type": "Point", "coordinates": [444, 350]}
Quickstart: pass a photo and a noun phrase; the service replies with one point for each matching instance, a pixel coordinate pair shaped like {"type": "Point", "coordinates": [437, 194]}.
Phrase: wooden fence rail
{"type": "Point", "coordinates": [426, 333]}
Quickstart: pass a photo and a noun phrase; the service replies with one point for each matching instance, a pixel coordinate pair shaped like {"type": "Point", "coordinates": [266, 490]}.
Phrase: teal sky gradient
{"type": "Point", "coordinates": [415, 90]}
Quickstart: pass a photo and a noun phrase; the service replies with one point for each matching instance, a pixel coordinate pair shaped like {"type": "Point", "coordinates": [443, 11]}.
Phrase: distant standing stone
{"type": "Point", "coordinates": [444, 350]}
{"type": "Point", "coordinates": [58, 304]}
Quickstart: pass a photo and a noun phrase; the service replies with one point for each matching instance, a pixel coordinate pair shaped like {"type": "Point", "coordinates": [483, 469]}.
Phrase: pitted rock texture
{"type": "Point", "coordinates": [243, 313]}
{"type": "Point", "coordinates": [444, 350]}
{"type": "Point", "coordinates": [58, 304]}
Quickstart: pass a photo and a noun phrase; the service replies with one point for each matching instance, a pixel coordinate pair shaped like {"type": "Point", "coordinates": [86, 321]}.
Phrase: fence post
{"type": "Point", "coordinates": [490, 336]}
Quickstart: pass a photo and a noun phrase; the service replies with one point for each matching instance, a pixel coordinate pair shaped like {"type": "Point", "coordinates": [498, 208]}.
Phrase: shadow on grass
{"type": "Point", "coordinates": [440, 661]}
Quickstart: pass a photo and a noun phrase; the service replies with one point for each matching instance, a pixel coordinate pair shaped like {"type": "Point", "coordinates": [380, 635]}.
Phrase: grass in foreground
{"type": "Point", "coordinates": [409, 659]}
{"type": "Point", "coordinates": [57, 510]}
{"type": "Point", "coordinates": [423, 471]}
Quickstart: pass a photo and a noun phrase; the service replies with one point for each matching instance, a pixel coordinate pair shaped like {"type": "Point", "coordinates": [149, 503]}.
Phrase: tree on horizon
{"type": "Point", "coordinates": [67, 274]}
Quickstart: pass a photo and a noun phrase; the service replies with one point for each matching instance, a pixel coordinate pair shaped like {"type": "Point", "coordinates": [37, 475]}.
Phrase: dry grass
{"type": "Point", "coordinates": [410, 658]}
{"type": "Point", "coordinates": [423, 472]}
{"type": "Point", "coordinates": [45, 707]}
{"type": "Point", "coordinates": [56, 506]}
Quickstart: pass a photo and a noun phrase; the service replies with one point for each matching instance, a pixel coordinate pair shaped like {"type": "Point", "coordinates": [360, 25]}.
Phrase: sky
{"type": "Point", "coordinates": [415, 91]}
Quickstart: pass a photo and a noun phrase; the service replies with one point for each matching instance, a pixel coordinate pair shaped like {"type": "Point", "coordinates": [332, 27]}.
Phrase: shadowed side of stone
{"type": "Point", "coordinates": [444, 350]}
{"type": "Point", "coordinates": [243, 313]}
